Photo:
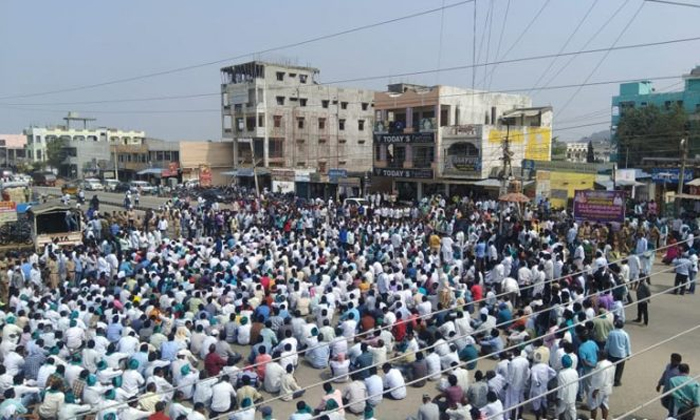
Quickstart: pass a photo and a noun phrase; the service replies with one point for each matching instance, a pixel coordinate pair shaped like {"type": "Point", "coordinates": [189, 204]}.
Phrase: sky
{"type": "Point", "coordinates": [49, 46]}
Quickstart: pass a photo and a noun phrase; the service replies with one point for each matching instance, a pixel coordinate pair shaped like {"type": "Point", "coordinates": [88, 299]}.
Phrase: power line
{"type": "Point", "coordinates": [566, 328]}
{"type": "Point", "coordinates": [473, 93]}
{"type": "Point", "coordinates": [432, 313]}
{"type": "Point", "coordinates": [518, 39]}
{"type": "Point", "coordinates": [238, 57]}
{"type": "Point", "coordinates": [674, 3]}
{"type": "Point", "coordinates": [656, 398]}
{"type": "Point", "coordinates": [455, 338]}
{"type": "Point", "coordinates": [602, 59]}
{"type": "Point", "coordinates": [586, 44]}
{"type": "Point", "coordinates": [566, 44]}
{"type": "Point", "coordinates": [596, 371]}
{"type": "Point", "coordinates": [500, 39]}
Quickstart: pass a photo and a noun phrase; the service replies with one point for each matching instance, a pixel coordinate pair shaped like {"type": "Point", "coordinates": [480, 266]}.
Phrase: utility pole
{"type": "Point", "coordinates": [681, 175]}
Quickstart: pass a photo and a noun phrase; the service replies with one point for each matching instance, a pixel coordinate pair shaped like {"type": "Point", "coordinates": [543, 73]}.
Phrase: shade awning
{"type": "Point", "coordinates": [495, 183]}
{"type": "Point", "coordinates": [150, 171]}
{"type": "Point", "coordinates": [694, 183]}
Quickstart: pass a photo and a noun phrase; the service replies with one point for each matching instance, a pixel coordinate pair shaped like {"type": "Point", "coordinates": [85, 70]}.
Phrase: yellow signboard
{"type": "Point", "coordinates": [537, 140]}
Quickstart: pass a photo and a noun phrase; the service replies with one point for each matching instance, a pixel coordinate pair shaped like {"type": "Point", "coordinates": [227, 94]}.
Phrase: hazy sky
{"type": "Point", "coordinates": [53, 45]}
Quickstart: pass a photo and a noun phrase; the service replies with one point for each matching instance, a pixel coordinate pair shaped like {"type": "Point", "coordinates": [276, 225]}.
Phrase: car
{"type": "Point", "coordinates": [110, 184]}
{"type": "Point", "coordinates": [70, 188]}
{"type": "Point", "coordinates": [142, 186]}
{"type": "Point", "coordinates": [44, 179]}
{"type": "Point", "coordinates": [213, 195]}
{"type": "Point", "coordinates": [93, 184]}
{"type": "Point", "coordinates": [357, 202]}
{"type": "Point", "coordinates": [121, 187]}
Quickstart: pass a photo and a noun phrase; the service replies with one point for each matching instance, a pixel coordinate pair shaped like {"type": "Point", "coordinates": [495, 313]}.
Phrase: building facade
{"type": "Point", "coordinates": [12, 150]}
{"type": "Point", "coordinates": [295, 131]}
{"type": "Point", "coordinates": [642, 94]}
{"type": "Point", "coordinates": [447, 140]}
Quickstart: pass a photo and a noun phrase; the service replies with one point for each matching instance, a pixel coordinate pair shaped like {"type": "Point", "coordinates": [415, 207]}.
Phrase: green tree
{"type": "Point", "coordinates": [558, 149]}
{"type": "Point", "coordinates": [56, 153]}
{"type": "Point", "coordinates": [590, 153]}
{"type": "Point", "coordinates": [651, 132]}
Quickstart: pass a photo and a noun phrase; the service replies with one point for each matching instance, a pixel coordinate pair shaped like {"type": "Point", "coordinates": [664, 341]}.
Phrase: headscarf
{"type": "Point", "coordinates": [566, 361]}
{"type": "Point", "coordinates": [185, 370]}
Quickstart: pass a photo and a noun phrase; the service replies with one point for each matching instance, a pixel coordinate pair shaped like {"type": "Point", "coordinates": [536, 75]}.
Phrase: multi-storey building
{"type": "Point", "coordinates": [12, 150]}
{"type": "Point", "coordinates": [87, 149]}
{"type": "Point", "coordinates": [448, 140]}
{"type": "Point", "coordinates": [298, 135]}
{"type": "Point", "coordinates": [642, 94]}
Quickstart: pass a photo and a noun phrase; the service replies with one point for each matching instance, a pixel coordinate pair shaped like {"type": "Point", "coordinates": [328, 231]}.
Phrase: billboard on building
{"type": "Point", "coordinates": [461, 154]}
{"type": "Point", "coordinates": [536, 142]}
{"type": "Point", "coordinates": [600, 206]}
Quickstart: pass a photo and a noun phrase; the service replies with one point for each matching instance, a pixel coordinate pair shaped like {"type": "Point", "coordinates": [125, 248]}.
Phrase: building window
{"type": "Point", "coordinates": [342, 141]}
{"type": "Point", "coordinates": [325, 103]}
{"type": "Point", "coordinates": [301, 140]}
{"type": "Point", "coordinates": [300, 122]}
{"type": "Point", "coordinates": [301, 164]}
{"type": "Point", "coordinates": [280, 100]}
{"type": "Point", "coordinates": [302, 78]}
{"type": "Point", "coordinates": [361, 141]}
{"type": "Point", "coordinates": [321, 123]}
{"type": "Point", "coordinates": [276, 148]}
{"type": "Point", "coordinates": [341, 124]}
{"type": "Point", "coordinates": [278, 121]}
{"type": "Point", "coordinates": [302, 102]}
{"type": "Point", "coordinates": [365, 106]}
{"type": "Point", "coordinates": [343, 105]}
{"type": "Point", "coordinates": [176, 156]}
{"type": "Point", "coordinates": [322, 167]}
{"type": "Point", "coordinates": [280, 76]}
{"type": "Point", "coordinates": [322, 141]}
{"type": "Point", "coordinates": [292, 75]}
{"type": "Point", "coordinates": [38, 139]}
{"type": "Point", "coordinates": [261, 120]}
{"type": "Point", "coordinates": [361, 125]}
{"type": "Point", "coordinates": [342, 163]}
{"type": "Point", "coordinates": [667, 105]}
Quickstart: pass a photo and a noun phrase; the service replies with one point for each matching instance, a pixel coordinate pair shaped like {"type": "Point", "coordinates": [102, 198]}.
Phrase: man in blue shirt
{"type": "Point", "coordinates": [618, 349]}
{"type": "Point", "coordinates": [682, 265]}
{"type": "Point", "coordinates": [588, 357]}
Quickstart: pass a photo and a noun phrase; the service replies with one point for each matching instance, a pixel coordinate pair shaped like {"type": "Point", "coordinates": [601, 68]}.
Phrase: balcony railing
{"type": "Point", "coordinates": [424, 125]}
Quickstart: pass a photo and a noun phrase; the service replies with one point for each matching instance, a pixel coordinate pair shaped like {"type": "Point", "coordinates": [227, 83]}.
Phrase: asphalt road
{"type": "Point", "coordinates": [669, 315]}
{"type": "Point", "coordinates": [147, 201]}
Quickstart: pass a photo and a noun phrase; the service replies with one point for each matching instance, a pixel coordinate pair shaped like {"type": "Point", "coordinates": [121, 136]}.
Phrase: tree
{"type": "Point", "coordinates": [558, 149]}
{"type": "Point", "coordinates": [590, 154]}
{"type": "Point", "coordinates": [56, 152]}
{"type": "Point", "coordinates": [651, 132]}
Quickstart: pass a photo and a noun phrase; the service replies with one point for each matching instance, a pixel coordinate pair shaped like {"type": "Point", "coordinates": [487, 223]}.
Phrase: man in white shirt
{"type": "Point", "coordinates": [222, 396]}
{"type": "Point", "coordinates": [394, 383]}
{"type": "Point", "coordinates": [273, 375]}
{"type": "Point", "coordinates": [355, 393]}
{"type": "Point", "coordinates": [601, 386]}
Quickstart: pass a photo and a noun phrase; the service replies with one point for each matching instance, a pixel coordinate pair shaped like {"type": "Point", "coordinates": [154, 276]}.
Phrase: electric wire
{"type": "Point", "coordinates": [432, 313]}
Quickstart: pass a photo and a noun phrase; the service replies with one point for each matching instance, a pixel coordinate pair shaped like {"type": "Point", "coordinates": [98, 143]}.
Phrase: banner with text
{"type": "Point", "coordinates": [599, 206]}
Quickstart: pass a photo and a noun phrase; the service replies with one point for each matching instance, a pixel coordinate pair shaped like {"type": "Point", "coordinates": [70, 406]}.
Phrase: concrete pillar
{"type": "Point", "coordinates": [409, 117]}
{"type": "Point", "coordinates": [419, 190]}
{"type": "Point", "coordinates": [382, 152]}
{"type": "Point", "coordinates": [408, 162]}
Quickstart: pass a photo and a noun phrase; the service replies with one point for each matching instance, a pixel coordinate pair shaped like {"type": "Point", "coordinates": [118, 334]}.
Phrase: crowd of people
{"type": "Point", "coordinates": [200, 311]}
